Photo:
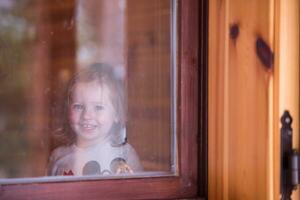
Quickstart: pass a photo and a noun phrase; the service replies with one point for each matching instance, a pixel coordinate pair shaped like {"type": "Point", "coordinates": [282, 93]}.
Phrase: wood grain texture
{"type": "Point", "coordinates": [240, 95]}
{"type": "Point", "coordinates": [188, 98]}
{"type": "Point", "coordinates": [287, 81]}
{"type": "Point", "coordinates": [217, 183]}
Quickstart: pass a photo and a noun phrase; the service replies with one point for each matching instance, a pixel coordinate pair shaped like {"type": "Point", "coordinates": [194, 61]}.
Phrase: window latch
{"type": "Point", "coordinates": [290, 159]}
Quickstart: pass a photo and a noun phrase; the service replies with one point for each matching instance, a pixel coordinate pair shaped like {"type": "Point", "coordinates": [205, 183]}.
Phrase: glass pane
{"type": "Point", "coordinates": [87, 89]}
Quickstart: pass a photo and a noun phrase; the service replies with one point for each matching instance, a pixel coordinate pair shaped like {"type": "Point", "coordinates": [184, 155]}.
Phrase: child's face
{"type": "Point", "coordinates": [91, 112]}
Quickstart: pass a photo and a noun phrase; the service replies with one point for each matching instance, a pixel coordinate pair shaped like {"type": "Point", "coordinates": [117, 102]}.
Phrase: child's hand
{"type": "Point", "coordinates": [119, 166]}
{"type": "Point", "coordinates": [124, 168]}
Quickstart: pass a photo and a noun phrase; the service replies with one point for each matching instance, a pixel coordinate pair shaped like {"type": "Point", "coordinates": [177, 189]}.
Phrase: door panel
{"type": "Point", "coordinates": [287, 22]}
{"type": "Point", "coordinates": [248, 84]}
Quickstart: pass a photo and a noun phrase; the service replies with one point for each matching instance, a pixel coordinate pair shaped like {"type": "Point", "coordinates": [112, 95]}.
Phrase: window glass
{"type": "Point", "coordinates": [87, 89]}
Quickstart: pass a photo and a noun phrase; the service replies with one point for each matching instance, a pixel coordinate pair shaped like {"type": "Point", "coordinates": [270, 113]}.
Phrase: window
{"type": "Point", "coordinates": [153, 48]}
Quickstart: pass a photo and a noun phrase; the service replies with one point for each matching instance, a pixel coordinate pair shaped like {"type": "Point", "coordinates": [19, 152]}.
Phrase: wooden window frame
{"type": "Point", "coordinates": [191, 181]}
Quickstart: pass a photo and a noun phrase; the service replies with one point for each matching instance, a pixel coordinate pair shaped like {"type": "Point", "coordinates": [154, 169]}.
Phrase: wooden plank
{"type": "Point", "coordinates": [216, 49]}
{"type": "Point", "coordinates": [240, 96]}
{"type": "Point", "coordinates": [287, 27]}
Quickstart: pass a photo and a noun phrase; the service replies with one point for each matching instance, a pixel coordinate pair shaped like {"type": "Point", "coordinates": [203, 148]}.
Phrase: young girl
{"type": "Point", "coordinates": [94, 136]}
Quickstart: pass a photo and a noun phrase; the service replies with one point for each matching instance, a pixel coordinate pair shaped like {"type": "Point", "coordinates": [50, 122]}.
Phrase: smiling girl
{"type": "Point", "coordinates": [96, 144]}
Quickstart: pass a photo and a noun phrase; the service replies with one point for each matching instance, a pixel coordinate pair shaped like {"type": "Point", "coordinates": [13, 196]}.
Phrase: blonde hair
{"type": "Point", "coordinates": [103, 74]}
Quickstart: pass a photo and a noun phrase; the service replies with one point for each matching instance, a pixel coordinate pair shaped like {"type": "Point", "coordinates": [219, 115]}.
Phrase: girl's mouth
{"type": "Point", "coordinates": [88, 126]}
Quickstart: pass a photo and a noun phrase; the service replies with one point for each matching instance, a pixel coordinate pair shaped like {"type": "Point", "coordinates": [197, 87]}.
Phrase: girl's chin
{"type": "Point", "coordinates": [88, 130]}
{"type": "Point", "coordinates": [91, 137]}
{"type": "Point", "coordinates": [87, 141]}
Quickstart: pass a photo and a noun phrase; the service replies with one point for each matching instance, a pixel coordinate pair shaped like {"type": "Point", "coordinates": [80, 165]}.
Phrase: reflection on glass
{"type": "Point", "coordinates": [86, 88]}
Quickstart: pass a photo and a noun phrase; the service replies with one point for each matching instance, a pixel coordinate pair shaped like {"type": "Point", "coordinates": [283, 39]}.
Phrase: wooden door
{"type": "Point", "coordinates": [253, 76]}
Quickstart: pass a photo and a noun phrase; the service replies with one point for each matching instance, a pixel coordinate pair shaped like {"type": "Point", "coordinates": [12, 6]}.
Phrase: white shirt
{"type": "Point", "coordinates": [98, 159]}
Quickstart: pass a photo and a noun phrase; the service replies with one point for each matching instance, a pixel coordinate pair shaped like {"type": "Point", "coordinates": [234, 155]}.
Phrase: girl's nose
{"type": "Point", "coordinates": [87, 114]}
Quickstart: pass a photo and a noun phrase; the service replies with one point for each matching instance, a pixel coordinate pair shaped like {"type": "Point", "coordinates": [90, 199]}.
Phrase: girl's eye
{"type": "Point", "coordinates": [78, 107]}
{"type": "Point", "coordinates": [99, 107]}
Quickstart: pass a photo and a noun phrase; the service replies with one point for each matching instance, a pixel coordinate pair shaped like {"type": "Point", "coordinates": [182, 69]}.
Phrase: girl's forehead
{"type": "Point", "coordinates": [92, 89]}
{"type": "Point", "coordinates": [94, 83]}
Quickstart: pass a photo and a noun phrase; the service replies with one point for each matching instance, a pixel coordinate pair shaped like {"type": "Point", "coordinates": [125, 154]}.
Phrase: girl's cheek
{"type": "Point", "coordinates": [73, 116]}
{"type": "Point", "coordinates": [99, 117]}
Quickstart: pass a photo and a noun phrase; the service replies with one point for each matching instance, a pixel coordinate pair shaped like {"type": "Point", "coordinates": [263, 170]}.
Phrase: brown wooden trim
{"type": "Point", "coordinates": [188, 103]}
{"type": "Point", "coordinates": [105, 189]}
{"type": "Point", "coordinates": [203, 101]}
{"type": "Point", "coordinates": [183, 186]}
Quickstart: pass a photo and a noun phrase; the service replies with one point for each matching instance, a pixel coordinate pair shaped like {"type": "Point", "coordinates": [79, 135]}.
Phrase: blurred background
{"type": "Point", "coordinates": [43, 43]}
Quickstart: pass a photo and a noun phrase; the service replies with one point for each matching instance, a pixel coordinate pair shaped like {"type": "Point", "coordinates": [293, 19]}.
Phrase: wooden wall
{"type": "Point", "coordinates": [287, 37]}
{"type": "Point", "coordinates": [246, 92]}
{"type": "Point", "coordinates": [149, 78]}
